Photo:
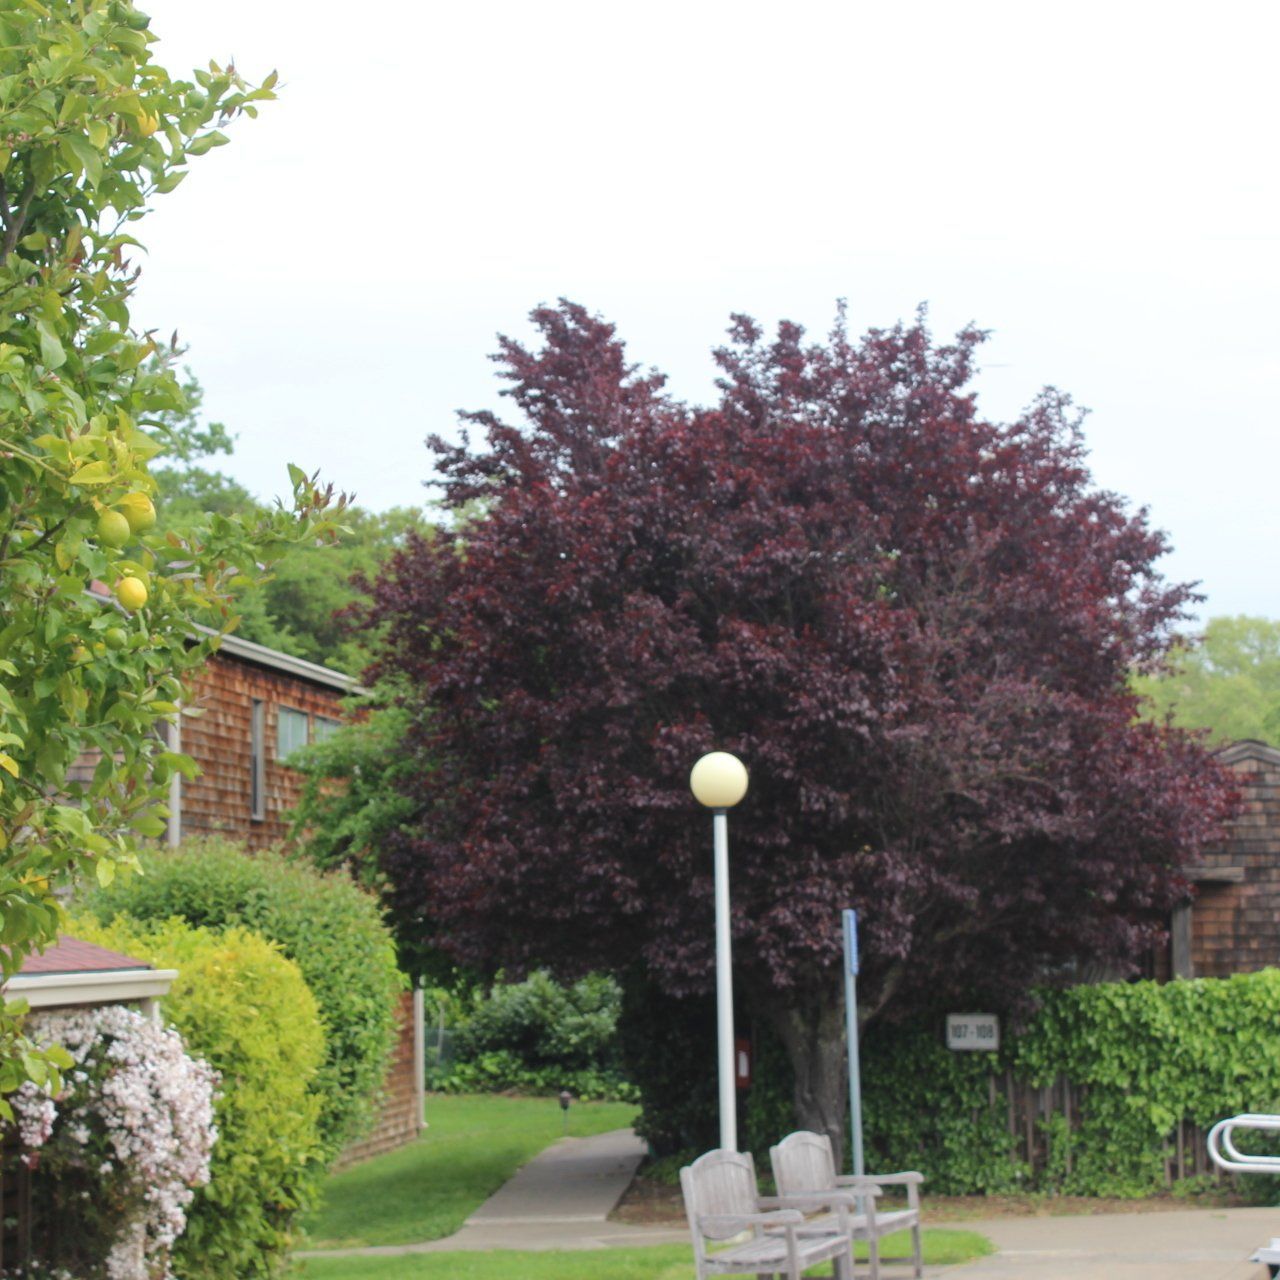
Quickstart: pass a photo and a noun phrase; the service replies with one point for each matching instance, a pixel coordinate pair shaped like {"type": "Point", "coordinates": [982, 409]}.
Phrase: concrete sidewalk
{"type": "Point", "coordinates": [1191, 1244]}
{"type": "Point", "coordinates": [561, 1199]}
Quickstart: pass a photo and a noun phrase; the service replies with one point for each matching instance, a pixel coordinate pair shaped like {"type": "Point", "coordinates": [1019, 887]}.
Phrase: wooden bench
{"type": "Point", "coordinates": [805, 1173]}
{"type": "Point", "coordinates": [722, 1203]}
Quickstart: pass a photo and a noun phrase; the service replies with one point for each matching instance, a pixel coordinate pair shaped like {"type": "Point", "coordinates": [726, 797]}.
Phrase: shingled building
{"type": "Point", "coordinates": [1232, 924]}
{"type": "Point", "coordinates": [257, 706]}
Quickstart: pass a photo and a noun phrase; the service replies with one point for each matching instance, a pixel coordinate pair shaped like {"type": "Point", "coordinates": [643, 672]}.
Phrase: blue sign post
{"type": "Point", "coordinates": [850, 919]}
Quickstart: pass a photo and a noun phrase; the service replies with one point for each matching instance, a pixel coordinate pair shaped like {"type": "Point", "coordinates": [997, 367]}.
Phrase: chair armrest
{"type": "Point", "coordinates": [820, 1199]}
{"type": "Point", "coordinates": [860, 1188]}
{"type": "Point", "coordinates": [881, 1179]}
{"type": "Point", "coordinates": [732, 1223]}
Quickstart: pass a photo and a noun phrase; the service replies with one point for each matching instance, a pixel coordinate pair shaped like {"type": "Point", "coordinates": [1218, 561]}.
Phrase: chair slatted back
{"type": "Point", "coordinates": [720, 1182]}
{"type": "Point", "coordinates": [803, 1162]}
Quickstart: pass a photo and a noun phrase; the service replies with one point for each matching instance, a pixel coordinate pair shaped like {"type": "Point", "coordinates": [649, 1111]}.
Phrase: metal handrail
{"type": "Point", "coordinates": [1234, 1161]}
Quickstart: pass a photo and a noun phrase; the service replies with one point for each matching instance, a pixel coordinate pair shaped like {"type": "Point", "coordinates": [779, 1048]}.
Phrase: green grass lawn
{"type": "Point", "coordinates": [665, 1262]}
{"type": "Point", "coordinates": [427, 1190]}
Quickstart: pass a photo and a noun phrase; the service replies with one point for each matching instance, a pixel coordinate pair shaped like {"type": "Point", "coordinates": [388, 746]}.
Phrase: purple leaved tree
{"type": "Point", "coordinates": [917, 627]}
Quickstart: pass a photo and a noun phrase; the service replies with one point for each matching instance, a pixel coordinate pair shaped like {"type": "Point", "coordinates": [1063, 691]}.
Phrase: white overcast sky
{"type": "Point", "coordinates": [1095, 182]}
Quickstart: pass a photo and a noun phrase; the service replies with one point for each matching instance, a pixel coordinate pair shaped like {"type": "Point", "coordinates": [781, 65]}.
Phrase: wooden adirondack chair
{"type": "Point", "coordinates": [805, 1173]}
{"type": "Point", "coordinates": [721, 1201]}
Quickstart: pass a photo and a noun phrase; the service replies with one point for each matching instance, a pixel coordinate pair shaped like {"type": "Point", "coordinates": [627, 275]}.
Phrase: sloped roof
{"type": "Point", "coordinates": [1248, 749]}
{"type": "Point", "coordinates": [71, 955]}
{"type": "Point", "coordinates": [250, 651]}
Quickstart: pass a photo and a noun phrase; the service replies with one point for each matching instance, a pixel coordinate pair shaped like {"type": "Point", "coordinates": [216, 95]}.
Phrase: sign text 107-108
{"type": "Point", "coordinates": [973, 1031]}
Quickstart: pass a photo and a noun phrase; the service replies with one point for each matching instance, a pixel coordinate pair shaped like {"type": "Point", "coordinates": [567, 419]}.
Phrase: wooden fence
{"type": "Point", "coordinates": [1185, 1151]}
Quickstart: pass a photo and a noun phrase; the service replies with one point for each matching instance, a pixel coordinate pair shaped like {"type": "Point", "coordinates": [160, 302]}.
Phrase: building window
{"type": "Point", "coordinates": [291, 732]}
{"type": "Point", "coordinates": [326, 727]}
{"type": "Point", "coordinates": [258, 760]}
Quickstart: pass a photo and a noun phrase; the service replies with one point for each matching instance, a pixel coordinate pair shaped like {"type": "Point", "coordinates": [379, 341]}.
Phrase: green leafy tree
{"type": "Point", "coordinates": [306, 595]}
{"type": "Point", "coordinates": [353, 797]}
{"type": "Point", "coordinates": [92, 130]}
{"type": "Point", "coordinates": [1227, 683]}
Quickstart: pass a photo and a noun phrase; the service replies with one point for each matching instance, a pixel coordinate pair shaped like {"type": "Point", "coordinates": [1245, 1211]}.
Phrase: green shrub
{"type": "Point", "coordinates": [1149, 1056]}
{"type": "Point", "coordinates": [544, 1023]}
{"type": "Point", "coordinates": [244, 1008]}
{"type": "Point", "coordinates": [927, 1107]}
{"type": "Point", "coordinates": [537, 1036]}
{"type": "Point", "coordinates": [331, 928]}
{"type": "Point", "coordinates": [501, 1071]}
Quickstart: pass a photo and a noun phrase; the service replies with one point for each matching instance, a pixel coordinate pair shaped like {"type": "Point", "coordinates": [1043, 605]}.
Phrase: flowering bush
{"type": "Point", "coordinates": [244, 1008]}
{"type": "Point", "coordinates": [118, 1153]}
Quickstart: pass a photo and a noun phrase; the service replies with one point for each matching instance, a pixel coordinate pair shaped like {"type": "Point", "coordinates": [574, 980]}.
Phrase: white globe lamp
{"type": "Point", "coordinates": [718, 780]}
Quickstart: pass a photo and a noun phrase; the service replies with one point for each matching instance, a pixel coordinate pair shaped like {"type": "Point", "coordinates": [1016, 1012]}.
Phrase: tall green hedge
{"type": "Point", "coordinates": [245, 1009]}
{"type": "Point", "coordinates": [330, 927]}
{"type": "Point", "coordinates": [1146, 1056]}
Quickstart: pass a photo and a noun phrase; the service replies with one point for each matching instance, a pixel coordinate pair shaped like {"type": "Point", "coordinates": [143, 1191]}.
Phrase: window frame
{"type": "Point", "coordinates": [283, 710]}
{"type": "Point", "coordinates": [331, 726]}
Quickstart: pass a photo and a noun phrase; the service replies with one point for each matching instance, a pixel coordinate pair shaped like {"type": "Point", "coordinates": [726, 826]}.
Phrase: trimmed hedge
{"type": "Point", "coordinates": [330, 927]}
{"type": "Point", "coordinates": [1147, 1055]}
{"type": "Point", "coordinates": [244, 1008]}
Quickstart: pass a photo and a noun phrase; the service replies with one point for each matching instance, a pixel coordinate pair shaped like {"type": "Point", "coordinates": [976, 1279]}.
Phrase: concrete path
{"type": "Point", "coordinates": [1192, 1244]}
{"type": "Point", "coordinates": [561, 1199]}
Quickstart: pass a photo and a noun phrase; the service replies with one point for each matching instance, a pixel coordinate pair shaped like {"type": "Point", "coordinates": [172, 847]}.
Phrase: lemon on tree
{"type": "Point", "coordinates": [131, 592]}
{"type": "Point", "coordinates": [114, 528]}
{"type": "Point", "coordinates": [117, 637]}
{"type": "Point", "coordinates": [139, 511]}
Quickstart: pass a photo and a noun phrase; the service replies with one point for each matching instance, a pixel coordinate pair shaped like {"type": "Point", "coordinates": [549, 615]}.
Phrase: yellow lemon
{"type": "Point", "coordinates": [113, 528]}
{"type": "Point", "coordinates": [132, 593]}
{"type": "Point", "coordinates": [138, 511]}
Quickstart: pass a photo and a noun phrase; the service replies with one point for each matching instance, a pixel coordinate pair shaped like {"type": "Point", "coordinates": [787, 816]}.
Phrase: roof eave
{"type": "Point", "coordinates": [109, 986]}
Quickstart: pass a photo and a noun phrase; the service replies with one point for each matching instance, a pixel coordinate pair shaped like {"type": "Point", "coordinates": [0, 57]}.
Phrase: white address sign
{"type": "Point", "coordinates": [973, 1031]}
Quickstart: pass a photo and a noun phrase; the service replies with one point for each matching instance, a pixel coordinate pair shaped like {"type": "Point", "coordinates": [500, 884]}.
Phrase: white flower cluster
{"type": "Point", "coordinates": [137, 1109]}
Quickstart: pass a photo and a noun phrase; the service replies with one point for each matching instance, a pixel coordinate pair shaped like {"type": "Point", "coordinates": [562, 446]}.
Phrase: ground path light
{"type": "Point", "coordinates": [719, 781]}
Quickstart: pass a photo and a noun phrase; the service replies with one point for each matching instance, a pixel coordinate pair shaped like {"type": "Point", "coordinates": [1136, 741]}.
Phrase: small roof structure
{"type": "Point", "coordinates": [74, 972]}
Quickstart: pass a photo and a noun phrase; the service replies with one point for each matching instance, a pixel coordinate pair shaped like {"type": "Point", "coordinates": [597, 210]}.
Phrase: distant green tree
{"type": "Point", "coordinates": [1228, 682]}
{"type": "Point", "coordinates": [294, 608]}
{"type": "Point", "coordinates": [303, 599]}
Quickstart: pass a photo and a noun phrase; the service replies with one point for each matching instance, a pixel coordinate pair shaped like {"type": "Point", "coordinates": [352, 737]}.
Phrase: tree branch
{"type": "Point", "coordinates": [17, 219]}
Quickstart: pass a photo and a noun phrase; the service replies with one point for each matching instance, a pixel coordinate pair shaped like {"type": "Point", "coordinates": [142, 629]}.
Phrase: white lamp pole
{"type": "Point", "coordinates": [719, 781]}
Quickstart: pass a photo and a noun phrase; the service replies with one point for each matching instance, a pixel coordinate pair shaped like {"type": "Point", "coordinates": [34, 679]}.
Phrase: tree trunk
{"type": "Point", "coordinates": [812, 1030]}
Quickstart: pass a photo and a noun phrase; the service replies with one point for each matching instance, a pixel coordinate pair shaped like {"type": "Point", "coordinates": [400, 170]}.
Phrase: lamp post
{"type": "Point", "coordinates": [718, 781]}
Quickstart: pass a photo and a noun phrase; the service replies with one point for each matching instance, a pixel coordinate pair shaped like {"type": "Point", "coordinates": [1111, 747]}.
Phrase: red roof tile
{"type": "Point", "coordinates": [70, 955]}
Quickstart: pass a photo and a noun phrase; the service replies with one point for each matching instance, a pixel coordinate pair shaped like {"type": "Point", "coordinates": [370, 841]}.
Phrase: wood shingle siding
{"type": "Point", "coordinates": [220, 740]}
{"type": "Point", "coordinates": [400, 1110]}
{"type": "Point", "coordinates": [1232, 924]}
